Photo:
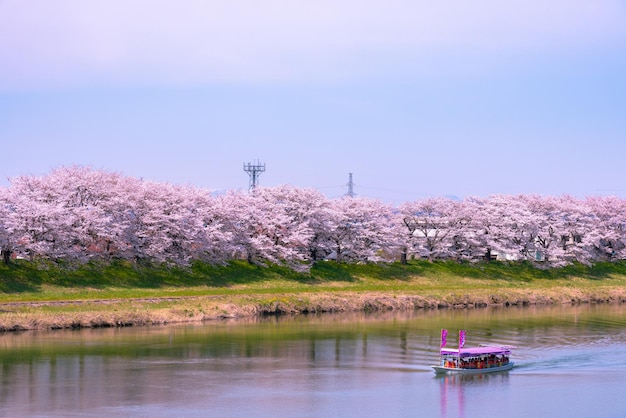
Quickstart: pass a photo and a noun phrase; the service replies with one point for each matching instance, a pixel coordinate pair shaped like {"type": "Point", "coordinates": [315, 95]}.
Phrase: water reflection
{"type": "Point", "coordinates": [457, 390]}
{"type": "Point", "coordinates": [350, 364]}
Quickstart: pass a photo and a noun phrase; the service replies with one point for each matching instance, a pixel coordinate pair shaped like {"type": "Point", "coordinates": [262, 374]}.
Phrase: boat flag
{"type": "Point", "coordinates": [461, 338]}
{"type": "Point", "coordinates": [444, 337]}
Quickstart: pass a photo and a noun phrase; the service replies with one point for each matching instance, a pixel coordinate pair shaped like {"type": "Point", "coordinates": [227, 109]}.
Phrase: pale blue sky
{"type": "Point", "coordinates": [416, 98]}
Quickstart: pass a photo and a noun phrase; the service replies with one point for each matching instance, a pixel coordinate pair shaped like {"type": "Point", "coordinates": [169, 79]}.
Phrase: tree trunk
{"type": "Point", "coordinates": [314, 254]}
{"type": "Point", "coordinates": [6, 256]}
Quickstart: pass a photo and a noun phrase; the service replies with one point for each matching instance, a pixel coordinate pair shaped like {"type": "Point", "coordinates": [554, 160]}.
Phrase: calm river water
{"type": "Point", "coordinates": [571, 361]}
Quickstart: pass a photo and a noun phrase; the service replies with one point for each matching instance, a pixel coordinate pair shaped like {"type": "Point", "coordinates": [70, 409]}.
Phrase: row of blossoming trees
{"type": "Point", "coordinates": [80, 214]}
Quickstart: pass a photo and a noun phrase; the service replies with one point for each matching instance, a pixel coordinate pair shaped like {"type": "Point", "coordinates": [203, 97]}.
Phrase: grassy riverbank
{"type": "Point", "coordinates": [122, 294]}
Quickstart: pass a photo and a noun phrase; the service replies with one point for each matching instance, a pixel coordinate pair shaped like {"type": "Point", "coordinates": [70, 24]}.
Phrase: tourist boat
{"type": "Point", "coordinates": [472, 360]}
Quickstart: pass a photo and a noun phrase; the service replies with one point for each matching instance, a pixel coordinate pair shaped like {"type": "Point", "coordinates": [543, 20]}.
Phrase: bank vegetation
{"type": "Point", "coordinates": [49, 296]}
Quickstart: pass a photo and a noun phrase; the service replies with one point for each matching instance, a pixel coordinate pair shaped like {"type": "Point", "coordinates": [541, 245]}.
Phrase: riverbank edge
{"type": "Point", "coordinates": [24, 316]}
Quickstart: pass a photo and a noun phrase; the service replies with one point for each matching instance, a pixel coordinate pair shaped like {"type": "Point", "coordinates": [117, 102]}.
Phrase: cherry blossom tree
{"type": "Point", "coordinates": [87, 197]}
{"type": "Point", "coordinates": [7, 235]}
{"type": "Point", "coordinates": [277, 225]}
{"type": "Point", "coordinates": [575, 221]}
{"type": "Point", "coordinates": [212, 240]}
{"type": "Point", "coordinates": [79, 214]}
{"type": "Point", "coordinates": [38, 220]}
{"type": "Point", "coordinates": [361, 230]}
{"type": "Point", "coordinates": [428, 226]}
{"type": "Point", "coordinates": [607, 236]}
{"type": "Point", "coordinates": [518, 229]}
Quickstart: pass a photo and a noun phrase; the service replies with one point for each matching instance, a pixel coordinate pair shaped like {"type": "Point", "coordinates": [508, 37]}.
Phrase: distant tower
{"type": "Point", "coordinates": [350, 186]}
{"type": "Point", "coordinates": [254, 170]}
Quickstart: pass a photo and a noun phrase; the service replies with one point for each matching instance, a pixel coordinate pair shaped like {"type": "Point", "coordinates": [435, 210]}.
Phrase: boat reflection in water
{"type": "Point", "coordinates": [465, 394]}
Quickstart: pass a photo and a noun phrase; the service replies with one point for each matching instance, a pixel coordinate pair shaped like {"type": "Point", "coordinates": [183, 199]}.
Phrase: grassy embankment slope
{"type": "Point", "coordinates": [122, 294]}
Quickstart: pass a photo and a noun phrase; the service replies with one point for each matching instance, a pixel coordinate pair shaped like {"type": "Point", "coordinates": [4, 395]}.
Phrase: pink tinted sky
{"type": "Point", "coordinates": [415, 98]}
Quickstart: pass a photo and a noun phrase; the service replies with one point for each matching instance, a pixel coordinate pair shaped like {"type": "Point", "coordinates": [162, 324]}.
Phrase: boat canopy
{"type": "Point", "coordinates": [476, 351]}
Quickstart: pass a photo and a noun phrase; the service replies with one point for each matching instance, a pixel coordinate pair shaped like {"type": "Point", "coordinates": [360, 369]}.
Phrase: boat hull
{"type": "Point", "coordinates": [451, 370]}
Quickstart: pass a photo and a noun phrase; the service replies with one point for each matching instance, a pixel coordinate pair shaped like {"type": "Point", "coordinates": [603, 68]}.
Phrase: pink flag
{"type": "Point", "coordinates": [444, 337]}
{"type": "Point", "coordinates": [461, 338]}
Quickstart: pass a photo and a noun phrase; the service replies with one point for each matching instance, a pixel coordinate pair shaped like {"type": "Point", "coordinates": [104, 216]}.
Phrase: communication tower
{"type": "Point", "coordinates": [254, 170]}
{"type": "Point", "coordinates": [350, 186]}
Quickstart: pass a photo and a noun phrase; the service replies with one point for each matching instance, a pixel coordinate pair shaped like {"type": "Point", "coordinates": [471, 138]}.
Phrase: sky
{"type": "Point", "coordinates": [416, 98]}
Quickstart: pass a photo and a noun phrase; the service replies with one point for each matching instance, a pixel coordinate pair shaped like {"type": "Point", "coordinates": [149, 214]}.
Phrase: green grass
{"type": "Point", "coordinates": [25, 281]}
{"type": "Point", "coordinates": [122, 293]}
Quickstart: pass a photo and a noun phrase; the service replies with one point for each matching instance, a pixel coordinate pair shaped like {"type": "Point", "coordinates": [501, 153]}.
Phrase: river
{"type": "Point", "coordinates": [570, 361]}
